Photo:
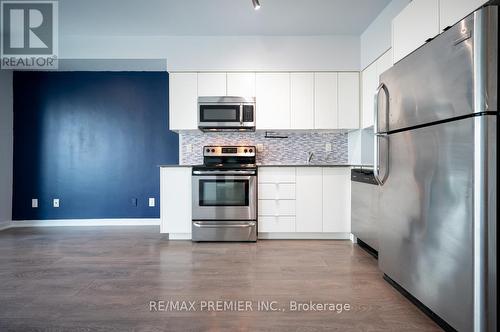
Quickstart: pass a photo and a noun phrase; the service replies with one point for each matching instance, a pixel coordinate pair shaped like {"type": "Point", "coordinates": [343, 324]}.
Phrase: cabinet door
{"type": "Point", "coordinates": [276, 175]}
{"type": "Point", "coordinates": [326, 100]}
{"type": "Point", "coordinates": [241, 84]}
{"type": "Point", "coordinates": [348, 100]}
{"type": "Point", "coordinates": [183, 96]}
{"type": "Point", "coordinates": [369, 85]}
{"type": "Point", "coordinates": [336, 200]}
{"type": "Point", "coordinates": [273, 100]}
{"type": "Point", "coordinates": [384, 63]}
{"type": "Point", "coordinates": [211, 84]}
{"type": "Point", "coordinates": [452, 11]}
{"type": "Point", "coordinates": [418, 22]}
{"type": "Point", "coordinates": [309, 203]}
{"type": "Point", "coordinates": [302, 100]}
{"type": "Point", "coordinates": [273, 224]}
{"type": "Point", "coordinates": [175, 200]}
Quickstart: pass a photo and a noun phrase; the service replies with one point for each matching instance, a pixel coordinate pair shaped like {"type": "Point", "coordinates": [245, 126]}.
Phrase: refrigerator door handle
{"type": "Point", "coordinates": [378, 136]}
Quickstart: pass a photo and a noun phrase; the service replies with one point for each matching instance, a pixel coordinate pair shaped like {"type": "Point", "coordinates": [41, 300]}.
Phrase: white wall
{"type": "Point", "coordinates": [360, 145]}
{"type": "Point", "coordinates": [376, 39]}
{"type": "Point", "coordinates": [6, 147]}
{"type": "Point", "coordinates": [187, 53]}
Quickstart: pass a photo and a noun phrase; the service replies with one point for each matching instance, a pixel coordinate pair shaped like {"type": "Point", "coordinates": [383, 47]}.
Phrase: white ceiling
{"type": "Point", "coordinates": [216, 17]}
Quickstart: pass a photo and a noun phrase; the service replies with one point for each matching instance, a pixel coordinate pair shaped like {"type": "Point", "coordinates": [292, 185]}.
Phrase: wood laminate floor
{"type": "Point", "coordinates": [103, 279]}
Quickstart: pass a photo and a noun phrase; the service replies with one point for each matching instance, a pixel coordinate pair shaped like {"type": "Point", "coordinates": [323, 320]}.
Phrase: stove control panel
{"type": "Point", "coordinates": [229, 151]}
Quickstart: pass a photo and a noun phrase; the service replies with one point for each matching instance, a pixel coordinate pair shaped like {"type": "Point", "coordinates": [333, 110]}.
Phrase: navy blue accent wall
{"type": "Point", "coordinates": [91, 139]}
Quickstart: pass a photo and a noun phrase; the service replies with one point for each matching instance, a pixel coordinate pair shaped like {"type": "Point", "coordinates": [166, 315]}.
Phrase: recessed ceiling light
{"type": "Point", "coordinates": [256, 4]}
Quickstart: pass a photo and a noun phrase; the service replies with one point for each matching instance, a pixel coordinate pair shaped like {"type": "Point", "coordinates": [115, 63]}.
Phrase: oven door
{"type": "Point", "coordinates": [224, 197]}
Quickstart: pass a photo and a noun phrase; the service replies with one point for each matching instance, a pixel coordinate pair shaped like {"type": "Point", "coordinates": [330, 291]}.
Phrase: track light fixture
{"type": "Point", "coordinates": [256, 4]}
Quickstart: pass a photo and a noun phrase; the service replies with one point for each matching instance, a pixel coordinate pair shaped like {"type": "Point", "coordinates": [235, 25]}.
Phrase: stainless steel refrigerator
{"type": "Point", "coordinates": [436, 162]}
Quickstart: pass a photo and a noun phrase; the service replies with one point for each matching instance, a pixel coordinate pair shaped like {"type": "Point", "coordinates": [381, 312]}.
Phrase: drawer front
{"type": "Point", "coordinates": [274, 207]}
{"type": "Point", "coordinates": [277, 191]}
{"type": "Point", "coordinates": [276, 224]}
{"type": "Point", "coordinates": [277, 175]}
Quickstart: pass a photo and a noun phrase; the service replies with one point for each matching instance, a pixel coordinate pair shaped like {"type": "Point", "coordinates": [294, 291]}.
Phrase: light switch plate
{"type": "Point", "coordinates": [260, 147]}
{"type": "Point", "coordinates": [151, 202]}
{"type": "Point", "coordinates": [55, 202]}
{"type": "Point", "coordinates": [34, 203]}
{"type": "Point", "coordinates": [328, 147]}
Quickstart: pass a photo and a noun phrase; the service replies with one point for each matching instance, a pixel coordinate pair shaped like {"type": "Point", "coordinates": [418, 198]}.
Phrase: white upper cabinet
{"type": "Point", "coordinates": [211, 84]}
{"type": "Point", "coordinates": [384, 63]}
{"type": "Point", "coordinates": [411, 28]}
{"type": "Point", "coordinates": [183, 93]}
{"type": "Point", "coordinates": [241, 84]}
{"type": "Point", "coordinates": [273, 100]}
{"type": "Point", "coordinates": [309, 205]}
{"type": "Point", "coordinates": [369, 85]}
{"type": "Point", "coordinates": [348, 100]}
{"type": "Point", "coordinates": [326, 100]}
{"type": "Point", "coordinates": [302, 100]}
{"type": "Point", "coordinates": [370, 82]}
{"type": "Point", "coordinates": [452, 11]}
{"type": "Point", "coordinates": [336, 200]}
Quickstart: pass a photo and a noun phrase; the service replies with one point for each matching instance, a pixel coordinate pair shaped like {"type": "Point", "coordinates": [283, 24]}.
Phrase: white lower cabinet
{"type": "Point", "coordinates": [277, 191]}
{"type": "Point", "coordinates": [277, 224]}
{"type": "Point", "coordinates": [337, 200]}
{"type": "Point", "coordinates": [305, 200]}
{"type": "Point", "coordinates": [175, 205]}
{"type": "Point", "coordinates": [276, 207]}
{"type": "Point", "coordinates": [309, 200]}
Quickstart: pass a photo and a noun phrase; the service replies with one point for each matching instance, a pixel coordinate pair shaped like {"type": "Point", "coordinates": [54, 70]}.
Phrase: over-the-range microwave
{"type": "Point", "coordinates": [226, 113]}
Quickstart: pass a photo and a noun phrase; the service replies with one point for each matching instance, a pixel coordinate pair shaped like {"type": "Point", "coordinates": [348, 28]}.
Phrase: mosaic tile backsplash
{"type": "Point", "coordinates": [292, 150]}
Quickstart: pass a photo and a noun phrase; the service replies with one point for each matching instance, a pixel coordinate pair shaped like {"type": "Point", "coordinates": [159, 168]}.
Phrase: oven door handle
{"type": "Point", "coordinates": [223, 172]}
{"type": "Point", "coordinates": [223, 225]}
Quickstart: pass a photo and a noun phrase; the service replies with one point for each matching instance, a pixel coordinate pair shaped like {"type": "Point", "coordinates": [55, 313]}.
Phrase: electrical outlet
{"type": "Point", "coordinates": [328, 147]}
{"type": "Point", "coordinates": [134, 202]}
{"type": "Point", "coordinates": [55, 202]}
{"type": "Point", "coordinates": [151, 202]}
{"type": "Point", "coordinates": [34, 203]}
{"type": "Point", "coordinates": [260, 147]}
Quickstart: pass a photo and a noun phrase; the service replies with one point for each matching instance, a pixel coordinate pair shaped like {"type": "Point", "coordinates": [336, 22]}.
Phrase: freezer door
{"type": "Point", "coordinates": [437, 81]}
{"type": "Point", "coordinates": [426, 218]}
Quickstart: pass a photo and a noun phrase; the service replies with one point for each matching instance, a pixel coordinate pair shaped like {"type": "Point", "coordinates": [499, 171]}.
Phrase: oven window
{"type": "Point", "coordinates": [224, 192]}
{"type": "Point", "coordinates": [219, 113]}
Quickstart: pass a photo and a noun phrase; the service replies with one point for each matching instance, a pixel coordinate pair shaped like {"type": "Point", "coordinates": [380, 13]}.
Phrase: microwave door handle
{"type": "Point", "coordinates": [241, 114]}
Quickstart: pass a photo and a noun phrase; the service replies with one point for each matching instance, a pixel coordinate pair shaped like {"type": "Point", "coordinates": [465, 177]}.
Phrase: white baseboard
{"type": "Point", "coordinates": [179, 236]}
{"type": "Point", "coordinates": [354, 239]}
{"type": "Point", "coordinates": [5, 225]}
{"type": "Point", "coordinates": [86, 222]}
{"type": "Point", "coordinates": [304, 236]}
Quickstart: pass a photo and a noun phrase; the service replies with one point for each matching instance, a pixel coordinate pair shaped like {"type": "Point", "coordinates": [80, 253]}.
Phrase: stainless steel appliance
{"type": "Point", "coordinates": [225, 195]}
{"type": "Point", "coordinates": [226, 113]}
{"type": "Point", "coordinates": [436, 161]}
{"type": "Point", "coordinates": [364, 208]}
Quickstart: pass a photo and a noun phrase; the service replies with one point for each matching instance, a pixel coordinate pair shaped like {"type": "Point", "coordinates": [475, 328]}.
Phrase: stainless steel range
{"type": "Point", "coordinates": [225, 195]}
